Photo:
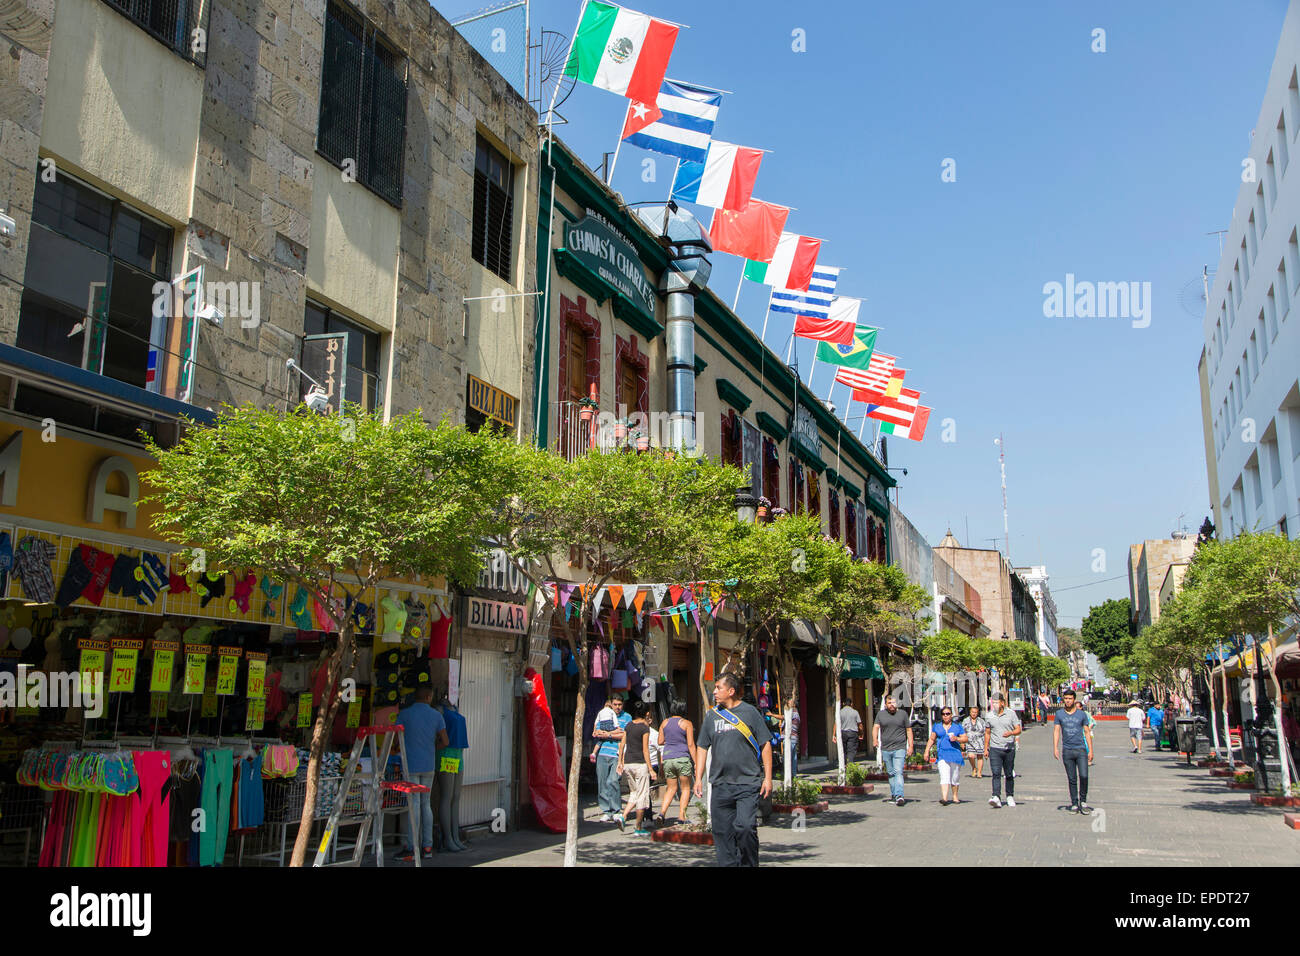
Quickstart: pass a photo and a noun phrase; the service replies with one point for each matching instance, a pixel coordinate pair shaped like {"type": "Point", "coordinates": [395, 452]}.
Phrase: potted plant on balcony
{"type": "Point", "coordinates": [764, 507]}
{"type": "Point", "coordinates": [587, 409]}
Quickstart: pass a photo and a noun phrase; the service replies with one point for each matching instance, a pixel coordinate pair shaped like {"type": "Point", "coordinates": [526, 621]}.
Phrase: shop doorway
{"type": "Point", "coordinates": [485, 703]}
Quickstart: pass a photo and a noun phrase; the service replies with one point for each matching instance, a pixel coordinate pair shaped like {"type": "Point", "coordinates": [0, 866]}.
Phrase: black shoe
{"type": "Point", "coordinates": [943, 803]}
{"type": "Point", "coordinates": [1085, 809]}
{"type": "Point", "coordinates": [1074, 808]}
{"type": "Point", "coordinates": [899, 802]}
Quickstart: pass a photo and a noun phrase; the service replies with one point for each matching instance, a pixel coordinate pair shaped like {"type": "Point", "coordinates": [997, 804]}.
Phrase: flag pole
{"type": "Point", "coordinates": [673, 183]}
{"type": "Point", "coordinates": [863, 426]}
{"type": "Point", "coordinates": [832, 388]}
{"type": "Point", "coordinates": [812, 369]}
{"type": "Point", "coordinates": [763, 337]}
{"type": "Point", "coordinates": [550, 110]}
{"type": "Point", "coordinates": [736, 300]}
{"type": "Point", "coordinates": [614, 162]}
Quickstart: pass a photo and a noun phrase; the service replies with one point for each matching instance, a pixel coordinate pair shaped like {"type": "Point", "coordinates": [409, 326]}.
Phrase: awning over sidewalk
{"type": "Point", "coordinates": [854, 666]}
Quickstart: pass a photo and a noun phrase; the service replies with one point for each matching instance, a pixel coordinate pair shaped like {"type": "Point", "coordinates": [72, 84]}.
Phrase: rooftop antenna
{"type": "Point", "coordinates": [1219, 233]}
{"type": "Point", "coordinates": [1002, 462]}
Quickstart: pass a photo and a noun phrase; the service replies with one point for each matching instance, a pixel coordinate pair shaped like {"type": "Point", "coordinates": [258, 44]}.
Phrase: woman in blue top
{"type": "Point", "coordinates": [949, 737]}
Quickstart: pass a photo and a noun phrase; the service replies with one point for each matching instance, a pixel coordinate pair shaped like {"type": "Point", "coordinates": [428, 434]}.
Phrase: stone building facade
{"type": "Point", "coordinates": [1149, 562]}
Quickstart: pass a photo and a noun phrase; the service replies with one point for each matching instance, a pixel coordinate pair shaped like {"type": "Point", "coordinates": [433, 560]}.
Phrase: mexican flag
{"type": "Point", "coordinates": [622, 51]}
{"type": "Point", "coordinates": [791, 266]}
{"type": "Point", "coordinates": [915, 431]}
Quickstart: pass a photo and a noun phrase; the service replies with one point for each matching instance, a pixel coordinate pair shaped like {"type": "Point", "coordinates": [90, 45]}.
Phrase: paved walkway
{"type": "Point", "coordinates": [1151, 810]}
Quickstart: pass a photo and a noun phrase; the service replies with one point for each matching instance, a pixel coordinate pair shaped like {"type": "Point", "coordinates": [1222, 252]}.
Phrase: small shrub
{"type": "Point", "coordinates": [1246, 776]}
{"type": "Point", "coordinates": [800, 793]}
{"type": "Point", "coordinates": [856, 774]}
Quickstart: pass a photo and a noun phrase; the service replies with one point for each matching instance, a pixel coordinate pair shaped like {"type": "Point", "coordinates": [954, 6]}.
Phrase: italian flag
{"type": "Point", "coordinates": [791, 266]}
{"type": "Point", "coordinates": [622, 51]}
{"type": "Point", "coordinates": [914, 431]}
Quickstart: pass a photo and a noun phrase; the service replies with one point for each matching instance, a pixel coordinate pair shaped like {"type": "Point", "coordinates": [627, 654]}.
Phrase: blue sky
{"type": "Point", "coordinates": [1112, 166]}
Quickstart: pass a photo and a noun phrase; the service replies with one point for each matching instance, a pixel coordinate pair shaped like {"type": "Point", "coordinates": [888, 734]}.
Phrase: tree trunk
{"type": "Point", "coordinates": [839, 734]}
{"type": "Point", "coordinates": [1283, 752]}
{"type": "Point", "coordinates": [1227, 721]}
{"type": "Point", "coordinates": [578, 648]}
{"type": "Point", "coordinates": [1214, 720]}
{"type": "Point", "coordinates": [319, 738]}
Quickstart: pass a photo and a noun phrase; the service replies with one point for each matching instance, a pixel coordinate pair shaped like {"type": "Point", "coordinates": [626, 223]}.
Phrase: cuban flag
{"type": "Point", "coordinates": [815, 303]}
{"type": "Point", "coordinates": [684, 126]}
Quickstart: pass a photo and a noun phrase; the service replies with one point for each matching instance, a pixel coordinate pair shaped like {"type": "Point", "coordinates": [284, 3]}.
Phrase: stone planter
{"type": "Point", "coordinates": [1212, 762]}
{"type": "Point", "coordinates": [817, 807]}
{"type": "Point", "coordinates": [1274, 800]}
{"type": "Point", "coordinates": [691, 837]}
{"type": "Point", "coordinates": [835, 789]}
{"type": "Point", "coordinates": [1234, 785]}
{"type": "Point", "coordinates": [1292, 820]}
{"type": "Point", "coordinates": [1222, 771]}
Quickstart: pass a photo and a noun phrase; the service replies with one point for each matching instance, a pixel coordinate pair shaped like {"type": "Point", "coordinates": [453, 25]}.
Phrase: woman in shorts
{"type": "Point", "coordinates": [948, 737]}
{"type": "Point", "coordinates": [677, 739]}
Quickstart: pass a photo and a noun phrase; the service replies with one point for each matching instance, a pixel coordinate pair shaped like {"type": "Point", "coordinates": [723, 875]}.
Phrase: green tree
{"type": "Point", "coordinates": [1053, 671]}
{"type": "Point", "coordinates": [1105, 630]}
{"type": "Point", "coordinates": [1248, 585]}
{"type": "Point", "coordinates": [328, 503]}
{"type": "Point", "coordinates": [1068, 641]}
{"type": "Point", "coordinates": [623, 515]}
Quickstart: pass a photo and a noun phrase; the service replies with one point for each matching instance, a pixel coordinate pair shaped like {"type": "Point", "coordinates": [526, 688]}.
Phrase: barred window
{"type": "Point", "coordinates": [179, 24]}
{"type": "Point", "coordinates": [494, 205]}
{"type": "Point", "coordinates": [361, 380]}
{"type": "Point", "coordinates": [362, 127]}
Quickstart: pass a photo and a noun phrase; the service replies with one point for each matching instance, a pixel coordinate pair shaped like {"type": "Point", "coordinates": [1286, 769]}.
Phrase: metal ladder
{"type": "Point", "coordinates": [373, 812]}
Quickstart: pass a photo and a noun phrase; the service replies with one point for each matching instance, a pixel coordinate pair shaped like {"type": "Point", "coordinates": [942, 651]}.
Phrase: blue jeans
{"type": "Point", "coordinates": [607, 784]}
{"type": "Point", "coordinates": [425, 836]}
{"type": "Point", "coordinates": [1076, 772]}
{"type": "Point", "coordinates": [1002, 761]}
{"type": "Point", "coordinates": [894, 765]}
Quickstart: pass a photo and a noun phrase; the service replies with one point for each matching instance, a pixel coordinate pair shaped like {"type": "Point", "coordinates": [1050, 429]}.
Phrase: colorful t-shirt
{"type": "Point", "coordinates": [32, 560]}
{"type": "Point", "coordinates": [949, 750]}
{"type": "Point", "coordinates": [606, 721]}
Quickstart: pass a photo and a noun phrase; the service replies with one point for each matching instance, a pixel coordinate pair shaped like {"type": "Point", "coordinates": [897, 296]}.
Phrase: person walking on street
{"type": "Point", "coordinates": [1070, 745]}
{"type": "Point", "coordinates": [892, 736]}
{"type": "Point", "coordinates": [977, 739]}
{"type": "Point", "coordinates": [1044, 707]}
{"type": "Point", "coordinates": [949, 737]}
{"type": "Point", "coordinates": [610, 722]}
{"type": "Point", "coordinates": [424, 731]}
{"type": "Point", "coordinates": [740, 774]}
{"type": "Point", "coordinates": [1156, 718]}
{"type": "Point", "coordinates": [679, 760]}
{"type": "Point", "coordinates": [851, 731]}
{"type": "Point", "coordinates": [634, 760]}
{"type": "Point", "coordinates": [1136, 722]}
{"type": "Point", "coordinates": [1004, 728]}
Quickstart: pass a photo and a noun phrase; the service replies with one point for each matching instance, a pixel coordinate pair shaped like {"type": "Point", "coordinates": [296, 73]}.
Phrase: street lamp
{"type": "Point", "coordinates": [746, 506]}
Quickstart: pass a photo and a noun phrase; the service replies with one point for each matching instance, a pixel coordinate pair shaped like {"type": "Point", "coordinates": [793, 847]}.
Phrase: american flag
{"type": "Point", "coordinates": [875, 378]}
{"type": "Point", "coordinates": [816, 302]}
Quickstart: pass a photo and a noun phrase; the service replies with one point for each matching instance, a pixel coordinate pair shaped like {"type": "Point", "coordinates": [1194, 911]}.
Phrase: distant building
{"type": "Point", "coordinates": [1148, 563]}
{"type": "Point", "coordinates": [914, 556]}
{"type": "Point", "coordinates": [1008, 608]}
{"type": "Point", "coordinates": [1035, 579]}
{"type": "Point", "coordinates": [957, 604]}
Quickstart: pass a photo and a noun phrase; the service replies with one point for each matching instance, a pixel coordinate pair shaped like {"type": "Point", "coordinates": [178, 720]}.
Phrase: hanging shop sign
{"type": "Point", "coordinates": [196, 668]}
{"type": "Point", "coordinates": [256, 675]}
{"type": "Point", "coordinates": [164, 660]}
{"type": "Point", "coordinates": [93, 652]}
{"type": "Point", "coordinates": [496, 616]}
{"type": "Point", "coordinates": [806, 432]}
{"type": "Point", "coordinates": [126, 659]}
{"type": "Point", "coordinates": [256, 715]}
{"type": "Point", "coordinates": [608, 253]}
{"type": "Point", "coordinates": [227, 669]}
{"type": "Point", "coordinates": [491, 402]}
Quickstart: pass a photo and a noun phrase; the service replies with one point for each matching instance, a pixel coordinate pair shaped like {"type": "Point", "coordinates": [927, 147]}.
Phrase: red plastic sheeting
{"type": "Point", "coordinates": [545, 775]}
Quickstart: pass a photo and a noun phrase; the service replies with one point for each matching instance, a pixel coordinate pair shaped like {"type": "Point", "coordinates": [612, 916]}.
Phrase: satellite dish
{"type": "Point", "coordinates": [552, 54]}
{"type": "Point", "coordinates": [1192, 296]}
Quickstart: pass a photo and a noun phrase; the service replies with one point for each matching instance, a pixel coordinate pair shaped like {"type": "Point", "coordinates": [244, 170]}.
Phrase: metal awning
{"type": "Point", "coordinates": [805, 632]}
{"type": "Point", "coordinates": [854, 666]}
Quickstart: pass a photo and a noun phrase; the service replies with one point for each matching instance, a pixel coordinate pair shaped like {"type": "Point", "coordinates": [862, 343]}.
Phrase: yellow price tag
{"type": "Point", "coordinates": [92, 662]}
{"type": "Point", "coordinates": [227, 672]}
{"type": "Point", "coordinates": [122, 678]}
{"type": "Point", "coordinates": [256, 715]}
{"type": "Point", "coordinates": [158, 705]}
{"type": "Point", "coordinates": [256, 679]}
{"type": "Point", "coordinates": [354, 712]}
{"type": "Point", "coordinates": [449, 765]}
{"type": "Point", "coordinates": [209, 708]}
{"type": "Point", "coordinates": [196, 666]}
{"type": "Point", "coordinates": [160, 679]}
{"type": "Point", "coordinates": [304, 710]}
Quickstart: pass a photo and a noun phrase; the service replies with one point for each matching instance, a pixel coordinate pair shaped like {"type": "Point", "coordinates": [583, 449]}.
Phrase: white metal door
{"type": "Point", "coordinates": [486, 705]}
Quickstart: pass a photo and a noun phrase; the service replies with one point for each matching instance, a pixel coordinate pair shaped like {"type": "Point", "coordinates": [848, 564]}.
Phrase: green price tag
{"type": "Point", "coordinates": [160, 680]}
{"type": "Point", "coordinates": [256, 715]}
{"type": "Point", "coordinates": [354, 712]}
{"type": "Point", "coordinates": [196, 666]}
{"type": "Point", "coordinates": [227, 671]}
{"type": "Point", "coordinates": [122, 678]}
{"type": "Point", "coordinates": [158, 705]}
{"type": "Point", "coordinates": [92, 662]}
{"type": "Point", "coordinates": [449, 765]}
{"type": "Point", "coordinates": [209, 708]}
{"type": "Point", "coordinates": [304, 710]}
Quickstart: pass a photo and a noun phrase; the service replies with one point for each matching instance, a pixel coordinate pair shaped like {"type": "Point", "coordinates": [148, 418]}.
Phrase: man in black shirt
{"type": "Point", "coordinates": [740, 774]}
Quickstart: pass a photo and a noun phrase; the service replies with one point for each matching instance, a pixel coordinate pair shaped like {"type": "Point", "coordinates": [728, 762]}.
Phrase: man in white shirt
{"type": "Point", "coordinates": [1136, 720]}
{"type": "Point", "coordinates": [851, 731]}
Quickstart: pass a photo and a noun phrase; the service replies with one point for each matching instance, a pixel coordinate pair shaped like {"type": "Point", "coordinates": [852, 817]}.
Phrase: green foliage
{"type": "Point", "coordinates": [1246, 585]}
{"type": "Point", "coordinates": [308, 497]}
{"type": "Point", "coordinates": [856, 774]}
{"type": "Point", "coordinates": [1053, 671]}
{"type": "Point", "coordinates": [1105, 630]}
{"type": "Point", "coordinates": [799, 793]}
{"type": "Point", "coordinates": [874, 599]}
{"type": "Point", "coordinates": [948, 651]}
{"type": "Point", "coordinates": [1068, 641]}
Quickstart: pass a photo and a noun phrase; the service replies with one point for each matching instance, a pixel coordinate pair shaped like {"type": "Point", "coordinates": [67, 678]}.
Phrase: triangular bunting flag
{"type": "Point", "coordinates": [640, 600]}
{"type": "Point", "coordinates": [595, 604]}
{"type": "Point", "coordinates": [630, 592]}
{"type": "Point", "coordinates": [566, 594]}
{"type": "Point", "coordinates": [659, 590]}
{"type": "Point", "coordinates": [696, 614]}
{"type": "Point", "coordinates": [676, 626]}
{"type": "Point", "coordinates": [716, 591]}
{"type": "Point", "coordinates": [675, 593]}
{"type": "Point", "coordinates": [615, 594]}
{"type": "Point", "coordinates": [640, 620]}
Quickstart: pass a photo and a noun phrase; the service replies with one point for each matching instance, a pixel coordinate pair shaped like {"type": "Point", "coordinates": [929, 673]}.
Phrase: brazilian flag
{"type": "Point", "coordinates": [857, 355]}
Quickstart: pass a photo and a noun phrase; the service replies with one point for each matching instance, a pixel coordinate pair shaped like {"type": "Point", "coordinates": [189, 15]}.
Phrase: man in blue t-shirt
{"type": "Point", "coordinates": [1156, 719]}
{"type": "Point", "coordinates": [423, 731]}
{"type": "Point", "coordinates": [608, 731]}
{"type": "Point", "coordinates": [1071, 744]}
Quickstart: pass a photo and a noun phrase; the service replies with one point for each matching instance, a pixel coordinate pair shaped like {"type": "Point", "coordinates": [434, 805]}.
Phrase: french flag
{"type": "Point", "coordinates": [725, 180]}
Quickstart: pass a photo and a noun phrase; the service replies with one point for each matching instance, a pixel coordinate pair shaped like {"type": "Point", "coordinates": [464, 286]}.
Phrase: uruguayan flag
{"type": "Point", "coordinates": [816, 302]}
{"type": "Point", "coordinates": [685, 126]}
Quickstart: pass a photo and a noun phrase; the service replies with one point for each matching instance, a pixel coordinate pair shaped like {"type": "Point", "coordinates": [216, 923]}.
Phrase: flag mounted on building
{"type": "Point", "coordinates": [855, 355]}
{"type": "Point", "coordinates": [725, 180]}
{"type": "Point", "coordinates": [914, 431]}
{"type": "Point", "coordinates": [898, 411]}
{"type": "Point", "coordinates": [837, 327]}
{"type": "Point", "coordinates": [874, 378]}
{"type": "Point", "coordinates": [816, 301]}
{"type": "Point", "coordinates": [792, 264]}
{"type": "Point", "coordinates": [750, 234]}
{"type": "Point", "coordinates": [684, 125]}
{"type": "Point", "coordinates": [891, 390]}
{"type": "Point", "coordinates": [622, 51]}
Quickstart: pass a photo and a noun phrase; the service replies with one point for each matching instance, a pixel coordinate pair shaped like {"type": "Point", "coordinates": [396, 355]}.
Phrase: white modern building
{"type": "Point", "coordinates": [1035, 579]}
{"type": "Point", "coordinates": [1250, 369]}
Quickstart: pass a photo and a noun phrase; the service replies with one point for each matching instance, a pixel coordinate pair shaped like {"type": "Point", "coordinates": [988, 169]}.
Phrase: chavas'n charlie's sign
{"type": "Point", "coordinates": [608, 253]}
